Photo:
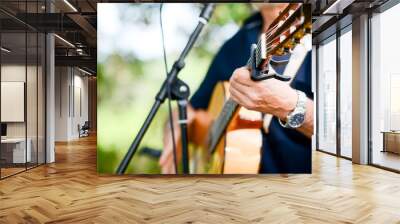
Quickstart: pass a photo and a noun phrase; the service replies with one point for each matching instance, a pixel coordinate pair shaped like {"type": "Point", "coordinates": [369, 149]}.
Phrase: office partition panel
{"type": "Point", "coordinates": [23, 88]}
{"type": "Point", "coordinates": [31, 100]}
{"type": "Point", "coordinates": [15, 146]}
{"type": "Point", "coordinates": [41, 96]}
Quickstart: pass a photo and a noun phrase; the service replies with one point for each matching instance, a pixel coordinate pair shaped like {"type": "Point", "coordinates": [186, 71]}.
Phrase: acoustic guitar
{"type": "Point", "coordinates": [233, 142]}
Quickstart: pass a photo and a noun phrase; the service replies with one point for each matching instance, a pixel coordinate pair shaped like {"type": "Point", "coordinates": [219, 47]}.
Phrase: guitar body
{"type": "Point", "coordinates": [238, 151]}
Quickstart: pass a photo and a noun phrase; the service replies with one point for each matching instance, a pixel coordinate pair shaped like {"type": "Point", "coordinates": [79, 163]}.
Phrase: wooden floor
{"type": "Point", "coordinates": [387, 159]}
{"type": "Point", "coordinates": [70, 191]}
{"type": "Point", "coordinates": [5, 172]}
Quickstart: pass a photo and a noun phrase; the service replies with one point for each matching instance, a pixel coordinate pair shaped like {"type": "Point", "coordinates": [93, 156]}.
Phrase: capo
{"type": "Point", "coordinates": [259, 75]}
{"type": "Point", "coordinates": [277, 63]}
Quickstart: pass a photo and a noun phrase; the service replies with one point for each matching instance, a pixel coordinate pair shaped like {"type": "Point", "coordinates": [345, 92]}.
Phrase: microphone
{"type": "Point", "coordinates": [206, 13]}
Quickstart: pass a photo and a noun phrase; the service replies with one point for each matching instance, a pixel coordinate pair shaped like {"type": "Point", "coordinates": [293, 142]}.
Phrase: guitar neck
{"type": "Point", "coordinates": [228, 110]}
{"type": "Point", "coordinates": [230, 107]}
{"type": "Point", "coordinates": [221, 123]}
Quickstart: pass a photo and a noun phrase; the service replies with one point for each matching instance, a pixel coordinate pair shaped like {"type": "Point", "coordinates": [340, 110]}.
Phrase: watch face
{"type": "Point", "coordinates": [296, 120]}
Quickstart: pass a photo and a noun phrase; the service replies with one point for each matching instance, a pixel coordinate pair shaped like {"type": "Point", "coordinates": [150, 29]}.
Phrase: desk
{"type": "Point", "coordinates": [391, 141]}
{"type": "Point", "coordinates": [15, 148]}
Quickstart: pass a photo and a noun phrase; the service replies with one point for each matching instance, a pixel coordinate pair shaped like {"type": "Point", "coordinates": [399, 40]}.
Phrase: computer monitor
{"type": "Point", "coordinates": [3, 129]}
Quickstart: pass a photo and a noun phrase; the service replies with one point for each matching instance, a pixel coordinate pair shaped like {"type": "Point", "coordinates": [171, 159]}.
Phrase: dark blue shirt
{"type": "Point", "coordinates": [284, 150]}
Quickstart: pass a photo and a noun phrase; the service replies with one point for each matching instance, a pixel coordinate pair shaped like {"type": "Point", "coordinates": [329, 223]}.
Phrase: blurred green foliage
{"type": "Point", "coordinates": [226, 13]}
{"type": "Point", "coordinates": [127, 86]}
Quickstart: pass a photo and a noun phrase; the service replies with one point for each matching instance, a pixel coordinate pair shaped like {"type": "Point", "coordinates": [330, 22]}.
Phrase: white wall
{"type": "Point", "coordinates": [81, 103]}
{"type": "Point", "coordinates": [71, 94]}
{"type": "Point", "coordinates": [62, 81]}
{"type": "Point", "coordinates": [17, 73]}
{"type": "Point", "coordinates": [33, 125]}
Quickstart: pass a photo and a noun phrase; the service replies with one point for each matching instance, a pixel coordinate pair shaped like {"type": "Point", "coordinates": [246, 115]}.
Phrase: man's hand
{"type": "Point", "coordinates": [167, 157]}
{"type": "Point", "coordinates": [199, 122]}
{"type": "Point", "coordinates": [268, 96]}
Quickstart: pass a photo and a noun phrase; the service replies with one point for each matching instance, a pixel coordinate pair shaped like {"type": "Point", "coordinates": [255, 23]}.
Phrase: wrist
{"type": "Point", "coordinates": [288, 104]}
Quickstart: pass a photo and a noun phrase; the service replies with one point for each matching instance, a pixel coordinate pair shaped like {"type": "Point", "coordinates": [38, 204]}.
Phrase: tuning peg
{"type": "Point", "coordinates": [292, 29]}
{"type": "Point", "coordinates": [282, 38]}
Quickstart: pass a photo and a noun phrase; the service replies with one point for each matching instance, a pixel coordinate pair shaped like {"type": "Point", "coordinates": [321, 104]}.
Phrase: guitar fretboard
{"type": "Point", "coordinates": [220, 124]}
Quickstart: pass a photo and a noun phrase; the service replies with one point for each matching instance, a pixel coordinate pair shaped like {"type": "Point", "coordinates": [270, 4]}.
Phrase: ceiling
{"type": "Point", "coordinates": [75, 23]}
{"type": "Point", "coordinates": [330, 16]}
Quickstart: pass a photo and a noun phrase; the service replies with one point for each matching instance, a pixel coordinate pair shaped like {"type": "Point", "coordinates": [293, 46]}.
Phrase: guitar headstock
{"type": "Point", "coordinates": [284, 33]}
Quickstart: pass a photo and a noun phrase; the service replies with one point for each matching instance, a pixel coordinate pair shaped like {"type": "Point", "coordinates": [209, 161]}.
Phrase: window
{"type": "Point", "coordinates": [385, 89]}
{"type": "Point", "coordinates": [346, 92]}
{"type": "Point", "coordinates": [327, 96]}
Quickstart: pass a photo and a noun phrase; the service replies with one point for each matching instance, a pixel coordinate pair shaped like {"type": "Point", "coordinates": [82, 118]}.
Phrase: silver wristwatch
{"type": "Point", "coordinates": [295, 119]}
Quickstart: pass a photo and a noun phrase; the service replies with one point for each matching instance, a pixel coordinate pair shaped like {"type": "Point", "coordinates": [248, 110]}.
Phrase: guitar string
{"type": "Point", "coordinates": [297, 10]}
{"type": "Point", "coordinates": [269, 44]}
{"type": "Point", "coordinates": [269, 47]}
{"type": "Point", "coordinates": [272, 30]}
{"type": "Point", "coordinates": [286, 18]}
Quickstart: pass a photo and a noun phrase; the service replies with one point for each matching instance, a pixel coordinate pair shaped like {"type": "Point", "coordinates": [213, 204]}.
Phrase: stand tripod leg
{"type": "Point", "coordinates": [135, 144]}
{"type": "Point", "coordinates": [182, 107]}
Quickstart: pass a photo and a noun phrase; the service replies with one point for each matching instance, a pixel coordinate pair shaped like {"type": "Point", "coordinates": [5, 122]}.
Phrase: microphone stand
{"type": "Point", "coordinates": [179, 91]}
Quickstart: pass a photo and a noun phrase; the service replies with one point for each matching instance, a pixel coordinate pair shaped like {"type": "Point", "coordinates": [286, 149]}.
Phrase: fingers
{"type": "Point", "coordinates": [167, 152]}
{"type": "Point", "coordinates": [166, 160]}
{"type": "Point", "coordinates": [168, 145]}
{"type": "Point", "coordinates": [164, 169]}
{"type": "Point", "coordinates": [239, 97]}
{"type": "Point", "coordinates": [242, 76]}
{"type": "Point", "coordinates": [171, 168]}
{"type": "Point", "coordinates": [168, 167]}
{"type": "Point", "coordinates": [242, 88]}
{"type": "Point", "coordinates": [167, 163]}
